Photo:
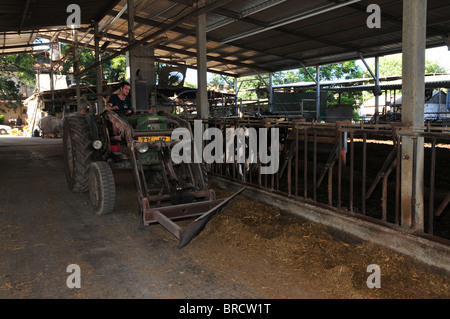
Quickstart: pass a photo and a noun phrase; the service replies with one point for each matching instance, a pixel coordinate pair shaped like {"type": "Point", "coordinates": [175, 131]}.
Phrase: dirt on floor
{"type": "Point", "coordinates": [249, 250]}
{"type": "Point", "coordinates": [286, 257]}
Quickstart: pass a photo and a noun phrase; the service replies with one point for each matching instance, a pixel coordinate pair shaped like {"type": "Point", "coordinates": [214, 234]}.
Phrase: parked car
{"type": "Point", "coordinates": [5, 129]}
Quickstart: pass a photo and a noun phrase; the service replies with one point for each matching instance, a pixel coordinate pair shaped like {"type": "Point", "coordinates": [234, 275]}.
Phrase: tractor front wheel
{"type": "Point", "coordinates": [102, 189]}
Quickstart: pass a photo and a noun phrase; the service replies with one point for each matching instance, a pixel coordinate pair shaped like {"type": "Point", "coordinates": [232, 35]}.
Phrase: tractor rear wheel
{"type": "Point", "coordinates": [102, 190]}
{"type": "Point", "coordinates": [77, 152]}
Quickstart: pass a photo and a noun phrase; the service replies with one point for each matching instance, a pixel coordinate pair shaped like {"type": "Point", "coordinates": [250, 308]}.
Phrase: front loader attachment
{"type": "Point", "coordinates": [166, 215]}
{"type": "Point", "coordinates": [166, 190]}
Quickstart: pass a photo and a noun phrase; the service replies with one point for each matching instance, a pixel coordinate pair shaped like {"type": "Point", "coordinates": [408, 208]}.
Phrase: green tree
{"type": "Point", "coordinates": [345, 70]}
{"type": "Point", "coordinates": [114, 70]}
{"type": "Point", "coordinates": [341, 71]}
{"type": "Point", "coordinates": [287, 77]}
{"type": "Point", "coordinates": [219, 81]}
{"type": "Point", "coordinates": [248, 84]}
{"type": "Point", "coordinates": [329, 72]}
{"type": "Point", "coordinates": [19, 67]}
{"type": "Point", "coordinates": [391, 65]}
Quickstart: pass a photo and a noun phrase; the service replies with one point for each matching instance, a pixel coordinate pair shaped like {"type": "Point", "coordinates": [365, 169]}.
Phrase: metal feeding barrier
{"type": "Point", "coordinates": [351, 168]}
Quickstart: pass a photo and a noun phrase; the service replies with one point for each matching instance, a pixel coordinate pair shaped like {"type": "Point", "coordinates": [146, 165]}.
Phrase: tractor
{"type": "Point", "coordinates": [97, 144]}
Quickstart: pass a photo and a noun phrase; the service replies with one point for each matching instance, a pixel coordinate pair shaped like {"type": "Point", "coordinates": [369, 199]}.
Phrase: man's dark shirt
{"type": "Point", "coordinates": [124, 105]}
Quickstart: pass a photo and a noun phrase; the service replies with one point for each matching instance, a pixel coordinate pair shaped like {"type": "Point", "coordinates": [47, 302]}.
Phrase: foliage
{"type": "Point", "coordinates": [345, 70]}
{"type": "Point", "coordinates": [114, 69]}
{"type": "Point", "coordinates": [23, 64]}
{"type": "Point", "coordinates": [391, 65]}
{"type": "Point", "coordinates": [218, 80]}
{"type": "Point", "coordinates": [15, 70]}
{"type": "Point", "coordinates": [434, 67]}
{"type": "Point", "coordinates": [9, 89]}
{"type": "Point", "coordinates": [190, 85]}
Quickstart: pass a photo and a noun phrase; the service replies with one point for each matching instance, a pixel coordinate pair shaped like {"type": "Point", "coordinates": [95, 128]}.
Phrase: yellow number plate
{"type": "Point", "coordinates": [153, 138]}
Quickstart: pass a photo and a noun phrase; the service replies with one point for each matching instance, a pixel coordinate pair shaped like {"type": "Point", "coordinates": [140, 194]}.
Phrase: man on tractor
{"type": "Point", "coordinates": [120, 102]}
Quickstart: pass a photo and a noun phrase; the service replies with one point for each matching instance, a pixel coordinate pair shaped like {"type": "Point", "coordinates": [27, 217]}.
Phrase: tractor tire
{"type": "Point", "coordinates": [77, 153]}
{"type": "Point", "coordinates": [102, 190]}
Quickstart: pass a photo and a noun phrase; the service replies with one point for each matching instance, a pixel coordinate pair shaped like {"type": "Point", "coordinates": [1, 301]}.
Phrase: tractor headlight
{"type": "Point", "coordinates": [97, 144]}
{"type": "Point", "coordinates": [142, 147]}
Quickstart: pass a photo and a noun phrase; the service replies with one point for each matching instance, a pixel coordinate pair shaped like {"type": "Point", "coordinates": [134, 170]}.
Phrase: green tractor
{"type": "Point", "coordinates": [94, 145]}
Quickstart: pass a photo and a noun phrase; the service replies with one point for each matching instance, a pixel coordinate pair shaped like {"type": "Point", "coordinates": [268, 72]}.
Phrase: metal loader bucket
{"type": "Point", "coordinates": [206, 210]}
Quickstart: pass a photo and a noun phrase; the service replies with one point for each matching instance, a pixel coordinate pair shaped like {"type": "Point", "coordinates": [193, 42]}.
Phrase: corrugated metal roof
{"type": "Point", "coordinates": [244, 36]}
{"type": "Point", "coordinates": [22, 21]}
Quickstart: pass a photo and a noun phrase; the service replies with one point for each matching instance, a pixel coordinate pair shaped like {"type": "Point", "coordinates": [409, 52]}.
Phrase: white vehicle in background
{"type": "Point", "coordinates": [5, 129]}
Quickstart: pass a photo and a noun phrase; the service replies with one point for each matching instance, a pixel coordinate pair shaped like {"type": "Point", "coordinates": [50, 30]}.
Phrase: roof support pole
{"type": "Point", "coordinates": [271, 91]}
{"type": "Point", "coordinates": [52, 79]}
{"type": "Point", "coordinates": [318, 93]}
{"type": "Point", "coordinates": [99, 69]}
{"type": "Point", "coordinates": [24, 15]}
{"type": "Point", "coordinates": [262, 78]}
{"type": "Point", "coordinates": [413, 86]}
{"type": "Point", "coordinates": [377, 85]}
{"type": "Point", "coordinates": [131, 63]}
{"type": "Point", "coordinates": [202, 92]}
{"type": "Point", "coordinates": [76, 68]}
{"type": "Point", "coordinates": [447, 102]}
{"type": "Point", "coordinates": [309, 73]}
{"type": "Point", "coordinates": [377, 90]}
{"type": "Point", "coordinates": [236, 89]}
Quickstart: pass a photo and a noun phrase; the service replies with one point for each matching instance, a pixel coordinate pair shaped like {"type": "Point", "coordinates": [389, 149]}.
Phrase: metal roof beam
{"type": "Point", "coordinates": [289, 20]}
{"type": "Point", "coordinates": [186, 32]}
{"type": "Point", "coordinates": [24, 46]}
{"type": "Point", "coordinates": [212, 58]}
{"type": "Point", "coordinates": [24, 15]}
{"type": "Point", "coordinates": [168, 49]}
{"type": "Point", "coordinates": [30, 38]}
{"type": "Point", "coordinates": [208, 7]}
{"type": "Point", "coordinates": [392, 18]}
{"type": "Point", "coordinates": [369, 49]}
{"type": "Point", "coordinates": [232, 17]}
{"type": "Point", "coordinates": [262, 27]}
{"type": "Point", "coordinates": [108, 9]}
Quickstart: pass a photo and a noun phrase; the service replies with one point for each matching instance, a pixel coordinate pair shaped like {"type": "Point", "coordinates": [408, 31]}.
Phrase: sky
{"type": "Point", "coordinates": [441, 55]}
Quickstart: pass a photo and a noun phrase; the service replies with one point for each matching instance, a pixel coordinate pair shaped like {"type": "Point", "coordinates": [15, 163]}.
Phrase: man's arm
{"type": "Point", "coordinates": [110, 104]}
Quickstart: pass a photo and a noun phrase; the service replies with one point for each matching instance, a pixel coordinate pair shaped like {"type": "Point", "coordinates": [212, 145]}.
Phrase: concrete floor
{"type": "Point", "coordinates": [45, 228]}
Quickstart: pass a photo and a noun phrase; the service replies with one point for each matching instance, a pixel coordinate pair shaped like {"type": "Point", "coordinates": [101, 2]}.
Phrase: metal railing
{"type": "Point", "coordinates": [351, 168]}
